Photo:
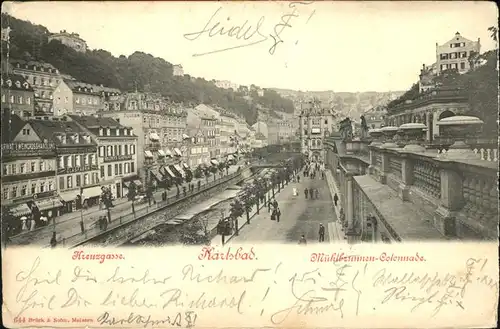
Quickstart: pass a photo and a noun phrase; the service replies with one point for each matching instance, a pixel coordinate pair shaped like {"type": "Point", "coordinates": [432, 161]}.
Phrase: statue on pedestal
{"type": "Point", "coordinates": [345, 128]}
{"type": "Point", "coordinates": [364, 128]}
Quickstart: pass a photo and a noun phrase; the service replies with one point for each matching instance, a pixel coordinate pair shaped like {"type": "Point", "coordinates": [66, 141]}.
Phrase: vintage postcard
{"type": "Point", "coordinates": [249, 164]}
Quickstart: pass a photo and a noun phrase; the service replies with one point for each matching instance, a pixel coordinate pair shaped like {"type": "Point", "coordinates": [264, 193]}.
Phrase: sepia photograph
{"type": "Point", "coordinates": [163, 124]}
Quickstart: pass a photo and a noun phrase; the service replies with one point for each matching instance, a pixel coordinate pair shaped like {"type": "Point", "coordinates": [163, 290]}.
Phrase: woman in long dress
{"type": "Point", "coordinates": [294, 191]}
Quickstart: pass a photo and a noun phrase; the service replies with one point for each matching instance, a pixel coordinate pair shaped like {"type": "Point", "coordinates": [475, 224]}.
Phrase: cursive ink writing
{"type": "Point", "coordinates": [74, 299]}
{"type": "Point", "coordinates": [242, 32]}
{"type": "Point", "coordinates": [188, 273]}
{"type": "Point", "coordinates": [132, 300]}
{"type": "Point", "coordinates": [187, 319]}
{"type": "Point", "coordinates": [118, 278]}
{"type": "Point", "coordinates": [283, 24]}
{"type": "Point", "coordinates": [202, 301]}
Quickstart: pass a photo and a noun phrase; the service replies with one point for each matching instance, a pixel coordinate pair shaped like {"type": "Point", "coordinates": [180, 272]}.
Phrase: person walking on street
{"type": "Point", "coordinates": [302, 240]}
{"type": "Point", "coordinates": [273, 215]}
{"type": "Point", "coordinates": [278, 214]}
{"type": "Point", "coordinates": [317, 194]}
{"type": "Point", "coordinates": [298, 178]}
{"type": "Point", "coordinates": [53, 240]}
{"type": "Point", "coordinates": [335, 199]}
{"type": "Point", "coordinates": [306, 191]}
{"type": "Point", "coordinates": [321, 233]}
{"type": "Point", "coordinates": [269, 206]}
{"type": "Point", "coordinates": [275, 204]}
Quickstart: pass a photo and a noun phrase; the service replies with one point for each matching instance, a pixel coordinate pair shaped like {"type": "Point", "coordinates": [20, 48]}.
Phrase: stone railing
{"type": "Point", "coordinates": [451, 195]}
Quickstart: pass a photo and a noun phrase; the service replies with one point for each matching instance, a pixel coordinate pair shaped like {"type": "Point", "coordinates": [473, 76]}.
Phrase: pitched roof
{"type": "Point", "coordinates": [49, 129]}
{"type": "Point", "coordinates": [260, 136]}
{"type": "Point", "coordinates": [81, 87]}
{"type": "Point", "coordinates": [90, 121]}
{"type": "Point", "coordinates": [15, 82]}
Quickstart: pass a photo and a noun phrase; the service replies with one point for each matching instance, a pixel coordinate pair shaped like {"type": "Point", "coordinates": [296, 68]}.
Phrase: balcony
{"type": "Point", "coordinates": [115, 158]}
{"type": "Point", "coordinates": [71, 170]}
{"type": "Point", "coordinates": [413, 192]}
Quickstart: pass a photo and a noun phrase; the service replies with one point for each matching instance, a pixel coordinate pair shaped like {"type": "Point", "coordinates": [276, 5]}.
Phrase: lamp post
{"type": "Point", "coordinates": [223, 227]}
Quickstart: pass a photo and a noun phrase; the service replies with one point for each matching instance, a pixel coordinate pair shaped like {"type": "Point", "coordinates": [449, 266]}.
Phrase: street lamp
{"type": "Point", "coordinates": [223, 230]}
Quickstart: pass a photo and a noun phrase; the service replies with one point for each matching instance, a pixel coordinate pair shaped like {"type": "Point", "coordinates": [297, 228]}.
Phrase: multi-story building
{"type": "Point", "coordinates": [29, 175]}
{"type": "Point", "coordinates": [160, 129]}
{"type": "Point", "coordinates": [43, 78]}
{"type": "Point", "coordinates": [117, 152]}
{"type": "Point", "coordinates": [261, 127]}
{"type": "Point", "coordinates": [73, 97]}
{"type": "Point", "coordinates": [285, 131]}
{"type": "Point", "coordinates": [77, 172]}
{"type": "Point", "coordinates": [225, 84]}
{"type": "Point", "coordinates": [454, 54]}
{"type": "Point", "coordinates": [17, 96]}
{"type": "Point", "coordinates": [177, 70]}
{"type": "Point", "coordinates": [227, 124]}
{"type": "Point", "coordinates": [375, 117]}
{"type": "Point", "coordinates": [206, 118]}
{"type": "Point", "coordinates": [71, 40]}
{"type": "Point", "coordinates": [199, 153]}
{"type": "Point", "coordinates": [260, 141]}
{"type": "Point", "coordinates": [315, 124]}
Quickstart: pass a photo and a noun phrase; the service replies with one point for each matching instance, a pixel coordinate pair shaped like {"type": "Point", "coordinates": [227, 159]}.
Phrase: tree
{"type": "Point", "coordinates": [189, 176]}
{"type": "Point", "coordinates": [494, 33]}
{"type": "Point", "coordinates": [194, 233]}
{"type": "Point", "coordinates": [236, 211]}
{"type": "Point", "coordinates": [248, 200]}
{"type": "Point", "coordinates": [198, 172]}
{"type": "Point", "coordinates": [107, 200]}
{"type": "Point", "coordinates": [132, 194]}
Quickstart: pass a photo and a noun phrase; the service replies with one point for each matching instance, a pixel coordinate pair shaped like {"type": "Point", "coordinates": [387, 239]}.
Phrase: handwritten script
{"type": "Point", "coordinates": [165, 293]}
{"type": "Point", "coordinates": [247, 33]}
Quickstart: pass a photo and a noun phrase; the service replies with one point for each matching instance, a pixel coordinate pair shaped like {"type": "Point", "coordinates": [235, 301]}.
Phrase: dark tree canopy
{"type": "Point", "coordinates": [139, 71]}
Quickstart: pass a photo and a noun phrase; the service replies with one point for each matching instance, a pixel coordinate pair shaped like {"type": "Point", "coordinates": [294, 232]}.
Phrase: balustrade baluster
{"type": "Point", "coordinates": [482, 153]}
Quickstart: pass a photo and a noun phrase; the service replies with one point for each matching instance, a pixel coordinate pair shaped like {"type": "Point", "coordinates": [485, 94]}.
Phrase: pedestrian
{"type": "Point", "coordinates": [273, 215]}
{"type": "Point", "coordinates": [302, 239]}
{"type": "Point", "coordinates": [269, 204]}
{"type": "Point", "coordinates": [275, 204]}
{"type": "Point", "coordinates": [335, 199]}
{"type": "Point", "coordinates": [278, 215]}
{"type": "Point", "coordinates": [321, 233]}
{"type": "Point", "coordinates": [306, 192]}
{"type": "Point", "coordinates": [82, 227]}
{"type": "Point", "coordinates": [317, 194]}
{"type": "Point", "coordinates": [53, 241]}
{"type": "Point", "coordinates": [298, 178]}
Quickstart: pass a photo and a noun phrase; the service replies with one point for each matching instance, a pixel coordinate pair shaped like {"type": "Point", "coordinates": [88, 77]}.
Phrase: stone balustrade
{"type": "Point", "coordinates": [417, 193]}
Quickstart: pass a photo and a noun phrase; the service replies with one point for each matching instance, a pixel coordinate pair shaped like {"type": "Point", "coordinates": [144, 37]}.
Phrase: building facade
{"type": "Point", "coordinates": [375, 117]}
{"type": "Point", "coordinates": [454, 54]}
{"type": "Point", "coordinates": [177, 70]}
{"type": "Point", "coordinates": [71, 40]}
{"type": "Point", "coordinates": [17, 96]}
{"type": "Point", "coordinates": [43, 78]}
{"type": "Point", "coordinates": [316, 124]}
{"type": "Point", "coordinates": [116, 152]}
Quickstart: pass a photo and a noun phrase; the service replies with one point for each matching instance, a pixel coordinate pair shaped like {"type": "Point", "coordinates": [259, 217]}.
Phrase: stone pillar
{"type": "Point", "coordinates": [451, 200]}
{"type": "Point", "coordinates": [406, 177]}
{"type": "Point", "coordinates": [428, 124]}
{"type": "Point", "coordinates": [350, 202]}
{"type": "Point", "coordinates": [385, 168]}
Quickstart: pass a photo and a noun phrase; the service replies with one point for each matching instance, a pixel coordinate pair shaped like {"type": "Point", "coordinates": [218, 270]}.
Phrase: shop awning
{"type": "Point", "coordinates": [214, 162]}
{"type": "Point", "coordinates": [177, 152]}
{"type": "Point", "coordinates": [179, 169]}
{"type": "Point", "coordinates": [137, 182]}
{"type": "Point", "coordinates": [169, 172]}
{"type": "Point", "coordinates": [148, 154]}
{"type": "Point", "coordinates": [185, 165]}
{"type": "Point", "coordinates": [154, 136]}
{"type": "Point", "coordinates": [184, 136]}
{"type": "Point", "coordinates": [91, 192]}
{"type": "Point", "coordinates": [156, 174]}
{"type": "Point", "coordinates": [49, 203]}
{"type": "Point", "coordinates": [161, 153]}
{"type": "Point", "coordinates": [230, 157]}
{"type": "Point", "coordinates": [21, 209]}
{"type": "Point", "coordinates": [69, 195]}
{"type": "Point", "coordinates": [167, 152]}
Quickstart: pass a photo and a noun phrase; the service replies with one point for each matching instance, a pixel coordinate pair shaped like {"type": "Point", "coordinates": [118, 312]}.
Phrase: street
{"type": "Point", "coordinates": [299, 216]}
{"type": "Point", "coordinates": [69, 224]}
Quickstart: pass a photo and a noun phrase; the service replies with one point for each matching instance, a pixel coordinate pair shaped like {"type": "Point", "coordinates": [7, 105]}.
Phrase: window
{"type": "Point", "coordinates": [86, 179]}
{"type": "Point", "coordinates": [42, 187]}
{"type": "Point", "coordinates": [60, 162]}
{"type": "Point", "coordinates": [116, 168]}
{"type": "Point", "coordinates": [102, 171]}
{"type": "Point", "coordinates": [33, 187]}
{"type": "Point", "coordinates": [85, 160]}
{"type": "Point", "coordinates": [61, 183]}
{"type": "Point", "coordinates": [24, 189]}
{"type": "Point", "coordinates": [132, 169]}
{"type": "Point", "coordinates": [462, 66]}
{"type": "Point", "coordinates": [3, 98]}
{"type": "Point", "coordinates": [22, 168]}
{"type": "Point", "coordinates": [5, 194]}
{"type": "Point", "coordinates": [41, 166]}
{"type": "Point", "coordinates": [78, 161]}
{"type": "Point", "coordinates": [13, 169]}
{"type": "Point", "coordinates": [51, 186]}
{"type": "Point", "coordinates": [14, 191]}
{"type": "Point", "coordinates": [121, 169]}
{"type": "Point", "coordinates": [84, 101]}
{"type": "Point", "coordinates": [77, 100]}
{"type": "Point", "coordinates": [20, 100]}
{"type": "Point", "coordinates": [110, 171]}
{"type": "Point", "coordinates": [28, 100]}
{"type": "Point", "coordinates": [78, 180]}
{"type": "Point", "coordinates": [326, 122]}
{"type": "Point", "coordinates": [5, 169]}
{"type": "Point", "coordinates": [69, 182]}
{"type": "Point", "coordinates": [11, 99]}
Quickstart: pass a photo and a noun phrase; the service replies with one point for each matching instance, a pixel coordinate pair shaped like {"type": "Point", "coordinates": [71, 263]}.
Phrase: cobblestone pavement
{"type": "Point", "coordinates": [298, 216]}
{"type": "Point", "coordinates": [69, 227]}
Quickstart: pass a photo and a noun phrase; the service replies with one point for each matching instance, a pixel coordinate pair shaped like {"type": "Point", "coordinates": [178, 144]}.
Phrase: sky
{"type": "Point", "coordinates": [339, 46]}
